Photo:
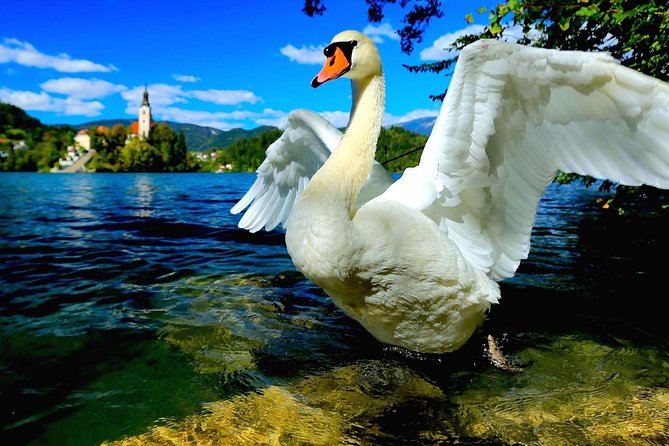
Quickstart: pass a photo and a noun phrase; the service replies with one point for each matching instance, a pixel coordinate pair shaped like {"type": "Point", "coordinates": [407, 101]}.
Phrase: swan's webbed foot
{"type": "Point", "coordinates": [498, 359]}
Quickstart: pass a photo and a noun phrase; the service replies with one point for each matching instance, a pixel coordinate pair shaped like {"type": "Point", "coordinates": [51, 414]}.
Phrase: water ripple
{"type": "Point", "coordinates": [135, 299]}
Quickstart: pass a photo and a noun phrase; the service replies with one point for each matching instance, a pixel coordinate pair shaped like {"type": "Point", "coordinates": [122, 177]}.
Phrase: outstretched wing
{"type": "Point", "coordinates": [306, 142]}
{"type": "Point", "coordinates": [290, 162]}
{"type": "Point", "coordinates": [512, 117]}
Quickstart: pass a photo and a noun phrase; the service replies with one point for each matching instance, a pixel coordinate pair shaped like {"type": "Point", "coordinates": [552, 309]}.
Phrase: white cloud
{"type": "Point", "coordinates": [82, 88]}
{"type": "Point", "coordinates": [160, 95]}
{"type": "Point", "coordinates": [163, 95]}
{"type": "Point", "coordinates": [23, 53]}
{"type": "Point", "coordinates": [340, 118]}
{"type": "Point", "coordinates": [378, 32]}
{"type": "Point", "coordinates": [311, 55]}
{"type": "Point", "coordinates": [273, 121]}
{"type": "Point", "coordinates": [390, 119]}
{"type": "Point", "coordinates": [515, 33]}
{"type": "Point", "coordinates": [225, 97]}
{"type": "Point", "coordinates": [29, 100]}
{"type": "Point", "coordinates": [74, 106]}
{"type": "Point", "coordinates": [440, 48]}
{"type": "Point", "coordinates": [185, 78]}
{"type": "Point", "coordinates": [219, 120]}
{"type": "Point", "coordinates": [337, 118]}
{"type": "Point", "coordinates": [269, 116]}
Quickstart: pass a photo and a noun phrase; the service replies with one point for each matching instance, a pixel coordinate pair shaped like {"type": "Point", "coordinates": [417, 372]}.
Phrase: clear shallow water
{"type": "Point", "coordinates": [133, 310]}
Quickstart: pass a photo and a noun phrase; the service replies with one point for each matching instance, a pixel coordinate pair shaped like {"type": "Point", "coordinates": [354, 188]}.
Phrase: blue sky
{"type": "Point", "coordinates": [224, 64]}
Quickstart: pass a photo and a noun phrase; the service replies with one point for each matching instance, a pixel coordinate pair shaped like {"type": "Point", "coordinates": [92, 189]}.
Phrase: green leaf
{"type": "Point", "coordinates": [585, 12]}
{"type": "Point", "coordinates": [495, 29]}
{"type": "Point", "coordinates": [564, 24]}
{"type": "Point", "coordinates": [482, 9]}
{"type": "Point", "coordinates": [469, 18]}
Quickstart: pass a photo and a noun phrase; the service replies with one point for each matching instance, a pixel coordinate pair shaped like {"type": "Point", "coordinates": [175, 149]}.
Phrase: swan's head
{"type": "Point", "coordinates": [350, 54]}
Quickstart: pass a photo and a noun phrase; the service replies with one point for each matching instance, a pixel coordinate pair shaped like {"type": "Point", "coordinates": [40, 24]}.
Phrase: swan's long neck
{"type": "Point", "coordinates": [340, 179]}
{"type": "Point", "coordinates": [319, 231]}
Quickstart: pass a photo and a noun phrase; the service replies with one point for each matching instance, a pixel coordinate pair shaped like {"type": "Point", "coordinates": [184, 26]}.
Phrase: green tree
{"type": "Point", "coordinates": [163, 151]}
{"type": "Point", "coordinates": [399, 148]}
{"type": "Point", "coordinates": [164, 139]}
{"type": "Point", "coordinates": [39, 145]}
{"type": "Point", "coordinates": [12, 117]}
{"type": "Point", "coordinates": [116, 140]}
{"type": "Point", "coordinates": [635, 32]}
{"type": "Point", "coordinates": [246, 154]}
{"type": "Point", "coordinates": [108, 144]}
{"type": "Point", "coordinates": [180, 160]}
{"type": "Point", "coordinates": [140, 156]}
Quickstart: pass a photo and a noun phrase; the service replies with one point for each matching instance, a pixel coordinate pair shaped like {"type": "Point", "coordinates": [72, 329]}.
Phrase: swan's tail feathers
{"type": "Point", "coordinates": [490, 288]}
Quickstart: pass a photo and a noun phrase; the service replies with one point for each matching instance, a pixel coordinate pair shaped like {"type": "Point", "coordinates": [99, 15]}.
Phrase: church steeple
{"type": "Point", "coordinates": [145, 100]}
{"type": "Point", "coordinates": [144, 119]}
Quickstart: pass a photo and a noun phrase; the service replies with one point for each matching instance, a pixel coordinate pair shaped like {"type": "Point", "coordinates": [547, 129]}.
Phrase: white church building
{"type": "Point", "coordinates": [142, 127]}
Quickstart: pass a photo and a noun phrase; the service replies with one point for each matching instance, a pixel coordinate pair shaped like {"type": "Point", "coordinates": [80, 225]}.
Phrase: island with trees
{"type": "Point", "coordinates": [27, 145]}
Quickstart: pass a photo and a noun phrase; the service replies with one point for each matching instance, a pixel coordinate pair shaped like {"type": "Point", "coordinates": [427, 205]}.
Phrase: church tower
{"type": "Point", "coordinates": [144, 119]}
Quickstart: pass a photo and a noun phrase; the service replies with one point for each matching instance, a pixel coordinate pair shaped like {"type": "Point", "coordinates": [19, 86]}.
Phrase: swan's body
{"type": "Point", "coordinates": [417, 261]}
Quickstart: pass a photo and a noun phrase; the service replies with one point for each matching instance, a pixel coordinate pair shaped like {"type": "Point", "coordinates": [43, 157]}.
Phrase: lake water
{"type": "Point", "coordinates": [134, 311]}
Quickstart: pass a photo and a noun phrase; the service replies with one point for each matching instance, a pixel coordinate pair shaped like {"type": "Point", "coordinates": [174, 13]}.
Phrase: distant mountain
{"type": "Point", "coordinates": [198, 138]}
{"type": "Point", "coordinates": [201, 138]}
{"type": "Point", "coordinates": [103, 122]}
{"type": "Point", "coordinates": [420, 125]}
{"type": "Point", "coordinates": [226, 138]}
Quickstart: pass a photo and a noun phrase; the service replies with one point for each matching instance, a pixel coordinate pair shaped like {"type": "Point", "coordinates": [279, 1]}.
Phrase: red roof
{"type": "Point", "coordinates": [134, 127]}
{"type": "Point", "coordinates": [82, 132]}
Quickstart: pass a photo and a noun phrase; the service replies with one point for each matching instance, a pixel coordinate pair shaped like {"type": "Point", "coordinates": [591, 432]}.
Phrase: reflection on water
{"type": "Point", "coordinates": [80, 199]}
{"type": "Point", "coordinates": [136, 313]}
{"type": "Point", "coordinates": [141, 195]}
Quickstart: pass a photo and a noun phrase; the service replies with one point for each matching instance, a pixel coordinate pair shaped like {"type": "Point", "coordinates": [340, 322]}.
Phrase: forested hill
{"type": "Point", "coordinates": [205, 139]}
{"type": "Point", "coordinates": [397, 149]}
{"type": "Point", "coordinates": [28, 145]}
{"type": "Point", "coordinates": [198, 138]}
{"type": "Point", "coordinates": [41, 145]}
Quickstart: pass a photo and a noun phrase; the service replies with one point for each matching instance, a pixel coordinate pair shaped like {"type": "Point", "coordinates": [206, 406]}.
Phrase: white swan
{"type": "Point", "coordinates": [417, 262]}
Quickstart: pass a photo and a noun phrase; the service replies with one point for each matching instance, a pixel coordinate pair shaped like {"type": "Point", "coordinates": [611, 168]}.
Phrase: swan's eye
{"type": "Point", "coordinates": [354, 43]}
{"type": "Point", "coordinates": [328, 51]}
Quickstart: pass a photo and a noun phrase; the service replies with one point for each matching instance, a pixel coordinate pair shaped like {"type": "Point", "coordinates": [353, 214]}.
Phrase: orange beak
{"type": "Point", "coordinates": [334, 66]}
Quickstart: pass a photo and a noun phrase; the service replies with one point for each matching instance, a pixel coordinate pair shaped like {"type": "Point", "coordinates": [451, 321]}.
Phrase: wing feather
{"type": "Point", "coordinates": [290, 162]}
{"type": "Point", "coordinates": [512, 117]}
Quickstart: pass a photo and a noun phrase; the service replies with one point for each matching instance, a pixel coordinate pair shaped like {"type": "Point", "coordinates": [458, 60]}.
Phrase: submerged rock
{"type": "Point", "coordinates": [576, 392]}
{"type": "Point", "coordinates": [329, 409]}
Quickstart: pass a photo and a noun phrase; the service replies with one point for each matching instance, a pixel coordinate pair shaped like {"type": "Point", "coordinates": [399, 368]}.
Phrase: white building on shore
{"type": "Point", "coordinates": [144, 118]}
{"type": "Point", "coordinates": [142, 127]}
{"type": "Point", "coordinates": [83, 140]}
